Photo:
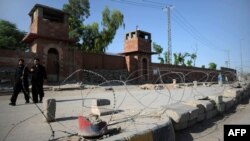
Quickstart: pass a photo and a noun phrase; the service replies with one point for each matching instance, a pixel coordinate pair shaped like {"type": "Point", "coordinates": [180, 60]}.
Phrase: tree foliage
{"type": "Point", "coordinates": [212, 65]}
{"type": "Point", "coordinates": [166, 55]}
{"type": "Point", "coordinates": [189, 63]}
{"type": "Point", "coordinates": [179, 59]}
{"type": "Point", "coordinates": [78, 11]}
{"type": "Point", "coordinates": [193, 57]}
{"type": "Point", "coordinates": [92, 37]}
{"type": "Point", "coordinates": [10, 36]}
{"type": "Point", "coordinates": [158, 49]}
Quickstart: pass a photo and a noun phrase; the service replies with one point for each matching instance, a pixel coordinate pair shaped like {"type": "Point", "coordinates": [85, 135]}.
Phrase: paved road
{"type": "Point", "coordinates": [212, 130]}
{"type": "Point", "coordinates": [25, 122]}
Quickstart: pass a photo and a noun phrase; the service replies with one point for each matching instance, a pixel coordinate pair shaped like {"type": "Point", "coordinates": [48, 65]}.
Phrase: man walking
{"type": "Point", "coordinates": [21, 83]}
{"type": "Point", "coordinates": [38, 76]}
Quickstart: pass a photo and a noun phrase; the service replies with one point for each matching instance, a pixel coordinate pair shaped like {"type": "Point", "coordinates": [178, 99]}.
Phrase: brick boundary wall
{"type": "Point", "coordinates": [110, 65]}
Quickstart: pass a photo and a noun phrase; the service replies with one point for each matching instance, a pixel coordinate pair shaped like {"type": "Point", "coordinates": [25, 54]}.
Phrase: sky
{"type": "Point", "coordinates": [217, 30]}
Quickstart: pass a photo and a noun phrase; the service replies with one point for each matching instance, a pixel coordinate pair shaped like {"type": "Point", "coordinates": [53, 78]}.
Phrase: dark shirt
{"type": "Point", "coordinates": [39, 73]}
{"type": "Point", "coordinates": [21, 71]}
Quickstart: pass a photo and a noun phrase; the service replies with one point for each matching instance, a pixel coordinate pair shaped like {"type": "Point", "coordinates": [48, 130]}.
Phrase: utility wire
{"type": "Point", "coordinates": [178, 18]}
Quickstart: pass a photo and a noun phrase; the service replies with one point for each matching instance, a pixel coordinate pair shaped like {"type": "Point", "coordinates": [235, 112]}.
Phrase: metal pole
{"type": "Point", "coordinates": [241, 69]}
{"type": "Point", "coordinates": [169, 50]}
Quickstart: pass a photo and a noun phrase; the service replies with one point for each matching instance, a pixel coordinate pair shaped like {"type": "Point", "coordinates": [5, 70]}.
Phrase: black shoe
{"type": "Point", "coordinates": [41, 101]}
{"type": "Point", "coordinates": [12, 104]}
{"type": "Point", "coordinates": [27, 102]}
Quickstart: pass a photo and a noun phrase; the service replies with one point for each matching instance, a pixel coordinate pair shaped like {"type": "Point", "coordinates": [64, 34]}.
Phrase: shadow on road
{"type": "Point", "coordinates": [66, 118]}
{"type": "Point", "coordinates": [66, 100]}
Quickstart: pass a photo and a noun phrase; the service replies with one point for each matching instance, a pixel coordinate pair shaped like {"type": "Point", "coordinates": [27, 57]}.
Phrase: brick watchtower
{"type": "Point", "coordinates": [49, 39]}
{"type": "Point", "coordinates": [138, 53]}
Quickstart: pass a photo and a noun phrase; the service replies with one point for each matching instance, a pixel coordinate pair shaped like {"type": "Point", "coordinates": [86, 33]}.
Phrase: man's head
{"type": "Point", "coordinates": [36, 61]}
{"type": "Point", "coordinates": [20, 61]}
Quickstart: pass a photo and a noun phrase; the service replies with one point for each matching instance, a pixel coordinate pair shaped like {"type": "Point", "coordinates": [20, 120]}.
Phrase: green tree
{"type": "Point", "coordinates": [212, 65]}
{"type": "Point", "coordinates": [193, 57]}
{"type": "Point", "coordinates": [10, 36]}
{"type": "Point", "coordinates": [179, 59]}
{"type": "Point", "coordinates": [189, 63]}
{"type": "Point", "coordinates": [97, 41]}
{"type": "Point", "coordinates": [158, 49]}
{"type": "Point", "coordinates": [176, 59]}
{"type": "Point", "coordinates": [89, 37]}
{"type": "Point", "coordinates": [166, 57]}
{"type": "Point", "coordinates": [183, 58]}
{"type": "Point", "coordinates": [203, 66]}
{"type": "Point", "coordinates": [78, 11]}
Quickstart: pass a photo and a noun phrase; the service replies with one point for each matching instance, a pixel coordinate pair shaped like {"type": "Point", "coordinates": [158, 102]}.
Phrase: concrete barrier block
{"type": "Point", "coordinates": [158, 87]}
{"type": "Point", "coordinates": [229, 103]}
{"type": "Point", "coordinates": [177, 113]}
{"type": "Point", "coordinates": [164, 131]}
{"type": "Point", "coordinates": [193, 112]}
{"type": "Point", "coordinates": [192, 122]}
{"type": "Point", "coordinates": [195, 84]}
{"type": "Point", "coordinates": [100, 102]}
{"type": "Point", "coordinates": [147, 87]}
{"type": "Point", "coordinates": [246, 94]}
{"type": "Point", "coordinates": [101, 110]}
{"type": "Point", "coordinates": [177, 86]}
{"type": "Point", "coordinates": [181, 112]}
{"type": "Point", "coordinates": [204, 105]}
{"type": "Point", "coordinates": [180, 125]}
{"type": "Point", "coordinates": [221, 107]}
{"type": "Point", "coordinates": [201, 117]}
{"type": "Point", "coordinates": [215, 98]}
{"type": "Point", "coordinates": [88, 103]}
{"type": "Point", "coordinates": [233, 93]}
{"type": "Point", "coordinates": [50, 109]}
{"type": "Point", "coordinates": [204, 84]}
{"type": "Point", "coordinates": [144, 136]}
{"type": "Point", "coordinates": [211, 114]}
{"type": "Point", "coordinates": [193, 103]}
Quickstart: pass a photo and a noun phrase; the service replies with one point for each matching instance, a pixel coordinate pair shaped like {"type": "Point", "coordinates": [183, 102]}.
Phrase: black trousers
{"type": "Point", "coordinates": [18, 87]}
{"type": "Point", "coordinates": [37, 90]}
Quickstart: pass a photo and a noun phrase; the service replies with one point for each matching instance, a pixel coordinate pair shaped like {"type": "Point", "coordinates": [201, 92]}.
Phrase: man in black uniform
{"type": "Point", "coordinates": [21, 83]}
{"type": "Point", "coordinates": [38, 75]}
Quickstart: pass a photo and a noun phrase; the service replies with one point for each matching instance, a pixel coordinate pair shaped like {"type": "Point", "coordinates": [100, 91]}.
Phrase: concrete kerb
{"type": "Point", "coordinates": [229, 98]}
{"type": "Point", "coordinates": [182, 115]}
{"type": "Point", "coordinates": [162, 131]}
{"type": "Point", "coordinates": [229, 103]}
{"type": "Point", "coordinates": [205, 106]}
{"type": "Point", "coordinates": [216, 104]}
